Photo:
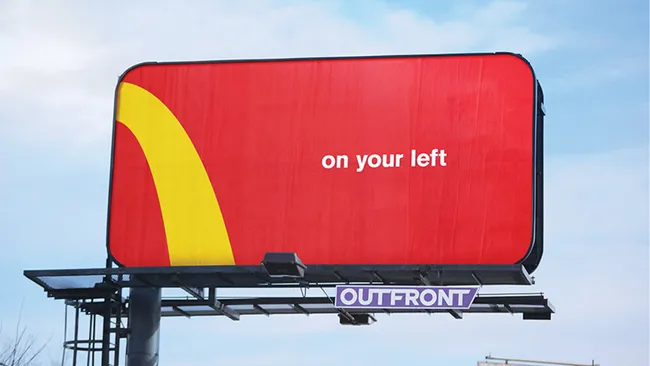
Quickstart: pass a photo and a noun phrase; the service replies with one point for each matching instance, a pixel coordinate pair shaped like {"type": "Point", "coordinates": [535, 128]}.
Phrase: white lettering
{"type": "Point", "coordinates": [350, 301]}
{"type": "Point", "coordinates": [367, 300]}
{"type": "Point", "coordinates": [412, 297]}
{"type": "Point", "coordinates": [329, 161]}
{"type": "Point", "coordinates": [428, 159]}
{"type": "Point", "coordinates": [398, 160]}
{"type": "Point", "coordinates": [434, 156]}
{"type": "Point", "coordinates": [374, 161]}
{"type": "Point", "coordinates": [391, 160]}
{"type": "Point", "coordinates": [460, 294]}
{"type": "Point", "coordinates": [361, 162]}
{"type": "Point", "coordinates": [447, 298]}
{"type": "Point", "coordinates": [381, 293]}
{"type": "Point", "coordinates": [442, 158]}
{"type": "Point", "coordinates": [426, 302]}
{"type": "Point", "coordinates": [394, 296]}
{"type": "Point", "coordinates": [423, 160]}
{"type": "Point", "coordinates": [404, 297]}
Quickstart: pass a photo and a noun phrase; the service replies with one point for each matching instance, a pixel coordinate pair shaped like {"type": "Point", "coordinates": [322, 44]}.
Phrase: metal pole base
{"type": "Point", "coordinates": [144, 327]}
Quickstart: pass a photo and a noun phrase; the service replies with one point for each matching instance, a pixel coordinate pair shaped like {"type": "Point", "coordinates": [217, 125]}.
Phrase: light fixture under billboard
{"type": "Point", "coordinates": [283, 265]}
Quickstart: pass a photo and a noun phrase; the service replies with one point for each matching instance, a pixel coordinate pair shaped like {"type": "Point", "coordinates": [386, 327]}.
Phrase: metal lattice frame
{"type": "Point", "coordinates": [98, 292]}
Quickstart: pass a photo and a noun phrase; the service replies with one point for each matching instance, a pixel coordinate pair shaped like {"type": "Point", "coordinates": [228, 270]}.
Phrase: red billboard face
{"type": "Point", "coordinates": [389, 160]}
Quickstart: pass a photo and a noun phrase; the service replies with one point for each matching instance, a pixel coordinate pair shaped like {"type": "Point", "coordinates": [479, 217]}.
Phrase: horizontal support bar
{"type": "Point", "coordinates": [256, 276]}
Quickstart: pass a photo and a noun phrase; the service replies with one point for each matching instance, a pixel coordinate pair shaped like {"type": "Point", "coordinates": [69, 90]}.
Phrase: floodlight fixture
{"type": "Point", "coordinates": [283, 264]}
{"type": "Point", "coordinates": [537, 316]}
{"type": "Point", "coordinates": [356, 319]}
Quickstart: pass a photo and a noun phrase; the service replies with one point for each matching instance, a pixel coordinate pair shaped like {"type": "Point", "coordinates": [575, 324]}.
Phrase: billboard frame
{"type": "Point", "coordinates": [532, 257]}
{"type": "Point", "coordinates": [314, 276]}
{"type": "Point", "coordinates": [99, 292]}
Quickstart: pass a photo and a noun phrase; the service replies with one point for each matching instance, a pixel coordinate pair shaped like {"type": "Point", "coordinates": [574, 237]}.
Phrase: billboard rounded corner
{"type": "Point", "coordinates": [519, 58]}
{"type": "Point", "coordinates": [112, 258]}
{"type": "Point", "coordinates": [532, 257]}
{"type": "Point", "coordinates": [133, 68]}
{"type": "Point", "coordinates": [533, 261]}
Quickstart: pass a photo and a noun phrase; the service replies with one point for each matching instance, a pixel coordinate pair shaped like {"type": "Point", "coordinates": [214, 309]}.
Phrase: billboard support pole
{"type": "Point", "coordinates": [144, 326]}
{"type": "Point", "coordinates": [106, 326]}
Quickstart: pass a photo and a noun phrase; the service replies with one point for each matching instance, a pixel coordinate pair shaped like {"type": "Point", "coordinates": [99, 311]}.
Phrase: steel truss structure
{"type": "Point", "coordinates": [99, 294]}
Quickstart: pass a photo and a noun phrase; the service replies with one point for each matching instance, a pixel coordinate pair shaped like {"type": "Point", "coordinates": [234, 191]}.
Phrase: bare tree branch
{"type": "Point", "coordinates": [23, 349]}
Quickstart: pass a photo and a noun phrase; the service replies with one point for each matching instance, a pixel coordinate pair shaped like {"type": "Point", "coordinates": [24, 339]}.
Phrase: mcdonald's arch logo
{"type": "Point", "coordinates": [187, 200]}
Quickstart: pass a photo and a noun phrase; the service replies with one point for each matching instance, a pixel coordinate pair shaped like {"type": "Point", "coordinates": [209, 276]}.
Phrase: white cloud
{"type": "Point", "coordinates": [600, 196]}
{"type": "Point", "coordinates": [56, 84]}
{"type": "Point", "coordinates": [599, 73]}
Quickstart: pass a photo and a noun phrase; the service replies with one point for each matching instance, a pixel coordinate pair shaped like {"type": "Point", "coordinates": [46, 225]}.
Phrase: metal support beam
{"type": "Point", "coordinates": [509, 360]}
{"type": "Point", "coordinates": [300, 309]}
{"type": "Point", "coordinates": [340, 277]}
{"type": "Point", "coordinates": [379, 277]}
{"type": "Point", "coordinates": [196, 292]}
{"type": "Point", "coordinates": [185, 313]}
{"type": "Point", "coordinates": [76, 334]}
{"type": "Point", "coordinates": [106, 333]}
{"type": "Point", "coordinates": [144, 327]}
{"type": "Point", "coordinates": [220, 307]}
{"type": "Point", "coordinates": [477, 279]}
{"type": "Point", "coordinates": [118, 326]}
{"type": "Point", "coordinates": [261, 310]}
{"type": "Point", "coordinates": [424, 280]}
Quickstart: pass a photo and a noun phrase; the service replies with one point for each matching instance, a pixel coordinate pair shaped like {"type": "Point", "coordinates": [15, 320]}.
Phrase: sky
{"type": "Point", "coordinates": [58, 70]}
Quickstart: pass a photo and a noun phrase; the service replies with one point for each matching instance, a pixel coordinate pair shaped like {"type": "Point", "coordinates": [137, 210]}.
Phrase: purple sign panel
{"type": "Point", "coordinates": [404, 297]}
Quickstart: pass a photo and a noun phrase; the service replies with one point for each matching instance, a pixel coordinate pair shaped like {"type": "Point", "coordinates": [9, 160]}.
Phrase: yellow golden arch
{"type": "Point", "coordinates": [194, 227]}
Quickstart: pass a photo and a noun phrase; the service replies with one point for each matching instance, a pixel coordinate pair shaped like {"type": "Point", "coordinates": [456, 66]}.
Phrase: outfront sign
{"type": "Point", "coordinates": [400, 160]}
{"type": "Point", "coordinates": [404, 297]}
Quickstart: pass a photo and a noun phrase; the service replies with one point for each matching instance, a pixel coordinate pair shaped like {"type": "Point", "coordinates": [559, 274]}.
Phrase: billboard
{"type": "Point", "coordinates": [405, 160]}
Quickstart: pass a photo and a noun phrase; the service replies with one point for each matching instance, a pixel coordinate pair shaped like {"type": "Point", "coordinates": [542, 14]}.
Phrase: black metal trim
{"type": "Point", "coordinates": [256, 277]}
